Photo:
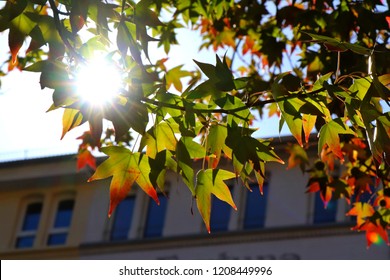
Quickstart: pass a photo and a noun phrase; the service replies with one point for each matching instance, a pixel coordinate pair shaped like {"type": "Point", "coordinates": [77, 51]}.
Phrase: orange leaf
{"type": "Point", "coordinates": [313, 187]}
{"type": "Point", "coordinates": [329, 136]}
{"type": "Point", "coordinates": [126, 168]}
{"type": "Point", "coordinates": [362, 211]}
{"type": "Point", "coordinates": [15, 42]}
{"type": "Point", "coordinates": [85, 158]}
{"type": "Point", "coordinates": [375, 233]}
{"type": "Point", "coordinates": [298, 156]}
{"type": "Point", "coordinates": [308, 123]}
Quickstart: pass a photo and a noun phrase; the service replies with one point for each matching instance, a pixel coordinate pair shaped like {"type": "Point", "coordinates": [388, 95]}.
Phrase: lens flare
{"type": "Point", "coordinates": [98, 82]}
{"type": "Point", "coordinates": [374, 238]}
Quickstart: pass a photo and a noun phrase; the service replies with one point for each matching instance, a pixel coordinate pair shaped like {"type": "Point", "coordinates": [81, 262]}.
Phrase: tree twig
{"type": "Point", "coordinates": [60, 29]}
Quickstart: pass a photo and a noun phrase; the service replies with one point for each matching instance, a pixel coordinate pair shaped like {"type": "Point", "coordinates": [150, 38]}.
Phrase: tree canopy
{"type": "Point", "coordinates": [322, 66]}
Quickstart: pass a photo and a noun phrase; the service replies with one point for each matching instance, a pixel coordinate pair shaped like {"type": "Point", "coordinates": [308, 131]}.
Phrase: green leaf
{"type": "Point", "coordinates": [185, 162]}
{"type": "Point", "coordinates": [54, 75]}
{"type": "Point", "coordinates": [195, 150]}
{"type": "Point", "coordinates": [158, 167]}
{"type": "Point", "coordinates": [292, 117]}
{"type": "Point", "coordinates": [211, 181]}
{"type": "Point", "coordinates": [165, 137]}
{"type": "Point", "coordinates": [220, 76]}
{"type": "Point", "coordinates": [173, 77]}
{"type": "Point", "coordinates": [337, 45]}
{"type": "Point", "coordinates": [329, 135]}
{"type": "Point", "coordinates": [132, 114]}
{"type": "Point", "coordinates": [171, 99]}
{"type": "Point", "coordinates": [360, 87]}
{"type": "Point", "coordinates": [230, 103]}
{"type": "Point", "coordinates": [45, 32]}
{"type": "Point", "coordinates": [381, 139]}
{"type": "Point", "coordinates": [289, 108]}
{"type": "Point", "coordinates": [126, 41]}
{"type": "Point", "coordinates": [125, 168]}
{"type": "Point", "coordinates": [20, 27]}
{"type": "Point", "coordinates": [248, 149]}
{"type": "Point", "coordinates": [208, 69]}
{"type": "Point", "coordinates": [145, 16]}
{"type": "Point", "coordinates": [298, 156]}
{"type": "Point", "coordinates": [216, 143]}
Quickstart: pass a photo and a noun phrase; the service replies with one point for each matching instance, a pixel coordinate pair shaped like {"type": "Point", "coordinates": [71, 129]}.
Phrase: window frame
{"type": "Point", "coordinates": [52, 230]}
{"type": "Point", "coordinates": [20, 233]}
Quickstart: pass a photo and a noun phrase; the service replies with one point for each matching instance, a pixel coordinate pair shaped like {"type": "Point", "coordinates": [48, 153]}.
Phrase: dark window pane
{"type": "Point", "coordinates": [220, 215]}
{"type": "Point", "coordinates": [255, 207]}
{"type": "Point", "coordinates": [31, 219]}
{"type": "Point", "coordinates": [156, 217]}
{"type": "Point", "coordinates": [25, 241]}
{"type": "Point", "coordinates": [122, 219]}
{"type": "Point", "coordinates": [64, 214]}
{"type": "Point", "coordinates": [322, 215]}
{"type": "Point", "coordinates": [57, 239]}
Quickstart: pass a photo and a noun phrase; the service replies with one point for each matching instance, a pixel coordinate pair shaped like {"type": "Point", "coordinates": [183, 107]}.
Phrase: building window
{"type": "Point", "coordinates": [322, 215]}
{"type": "Point", "coordinates": [26, 236]}
{"type": "Point", "coordinates": [255, 207]}
{"type": "Point", "coordinates": [62, 221]}
{"type": "Point", "coordinates": [155, 217]}
{"type": "Point", "coordinates": [220, 215]}
{"type": "Point", "coordinates": [122, 219]}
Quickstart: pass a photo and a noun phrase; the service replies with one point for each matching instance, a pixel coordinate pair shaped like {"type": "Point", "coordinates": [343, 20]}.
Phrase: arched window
{"type": "Point", "coordinates": [29, 227]}
{"type": "Point", "coordinates": [58, 233]}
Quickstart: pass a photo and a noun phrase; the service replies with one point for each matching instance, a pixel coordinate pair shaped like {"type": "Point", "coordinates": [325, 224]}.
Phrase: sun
{"type": "Point", "coordinates": [98, 82]}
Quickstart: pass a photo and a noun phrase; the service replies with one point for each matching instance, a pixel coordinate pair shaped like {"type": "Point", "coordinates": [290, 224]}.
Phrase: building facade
{"type": "Point", "coordinates": [49, 211]}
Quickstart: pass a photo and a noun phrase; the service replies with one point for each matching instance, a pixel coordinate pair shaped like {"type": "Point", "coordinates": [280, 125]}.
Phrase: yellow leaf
{"type": "Point", "coordinates": [70, 119]}
{"type": "Point", "coordinates": [211, 181]}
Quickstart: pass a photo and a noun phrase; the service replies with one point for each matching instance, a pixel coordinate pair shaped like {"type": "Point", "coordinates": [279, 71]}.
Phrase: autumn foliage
{"type": "Point", "coordinates": [321, 66]}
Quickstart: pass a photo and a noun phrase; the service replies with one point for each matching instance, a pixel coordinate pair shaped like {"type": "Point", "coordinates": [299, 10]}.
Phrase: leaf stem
{"type": "Point", "coordinates": [338, 65]}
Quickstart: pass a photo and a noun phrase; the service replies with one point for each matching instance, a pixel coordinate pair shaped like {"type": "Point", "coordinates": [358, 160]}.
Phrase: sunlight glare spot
{"type": "Point", "coordinates": [98, 82]}
{"type": "Point", "coordinates": [375, 238]}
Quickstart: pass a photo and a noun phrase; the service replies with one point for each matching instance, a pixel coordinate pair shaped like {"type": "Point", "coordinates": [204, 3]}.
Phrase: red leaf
{"type": "Point", "coordinates": [15, 42]}
{"type": "Point", "coordinates": [125, 168]}
{"type": "Point", "coordinates": [362, 211]}
{"type": "Point", "coordinates": [85, 158]}
{"type": "Point", "coordinates": [375, 233]}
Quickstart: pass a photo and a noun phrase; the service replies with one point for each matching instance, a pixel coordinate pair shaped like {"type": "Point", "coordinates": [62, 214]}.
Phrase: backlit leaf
{"type": "Point", "coordinates": [298, 156]}
{"type": "Point", "coordinates": [246, 149]}
{"type": "Point", "coordinates": [216, 143]}
{"type": "Point", "coordinates": [85, 158]}
{"type": "Point", "coordinates": [375, 233]}
{"type": "Point", "coordinates": [211, 181]}
{"type": "Point", "coordinates": [165, 137]}
{"type": "Point", "coordinates": [125, 168]}
{"type": "Point", "coordinates": [70, 119]}
{"type": "Point", "coordinates": [330, 136]}
{"type": "Point", "coordinates": [362, 211]}
{"type": "Point", "coordinates": [173, 77]}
